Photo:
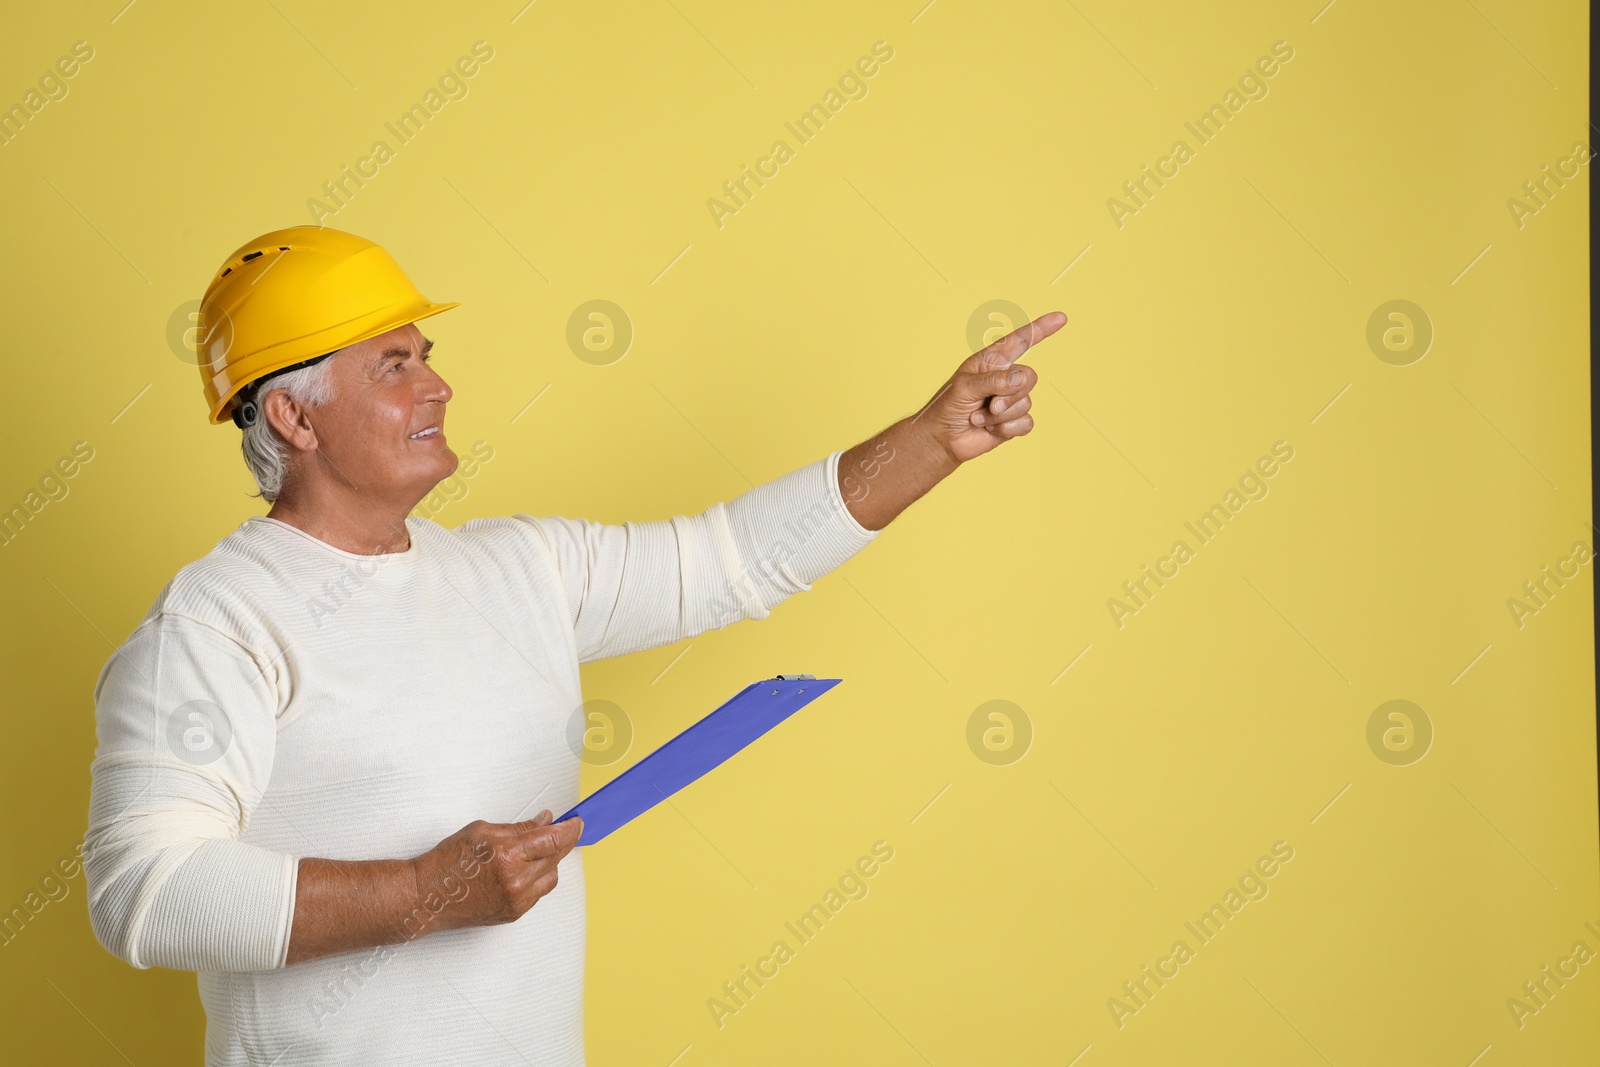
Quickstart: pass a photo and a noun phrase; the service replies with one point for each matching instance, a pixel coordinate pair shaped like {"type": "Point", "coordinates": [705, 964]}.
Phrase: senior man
{"type": "Point", "coordinates": [319, 751]}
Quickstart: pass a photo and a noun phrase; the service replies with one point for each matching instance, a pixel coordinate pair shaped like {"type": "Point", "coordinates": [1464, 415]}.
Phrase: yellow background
{"type": "Point", "coordinates": [1226, 315]}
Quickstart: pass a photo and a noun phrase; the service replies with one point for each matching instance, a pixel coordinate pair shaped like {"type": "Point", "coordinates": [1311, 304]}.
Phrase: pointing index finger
{"type": "Point", "coordinates": [1010, 348]}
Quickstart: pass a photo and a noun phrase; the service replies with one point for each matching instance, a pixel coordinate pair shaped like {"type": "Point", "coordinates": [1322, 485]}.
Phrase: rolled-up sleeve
{"type": "Point", "coordinates": [187, 728]}
{"type": "Point", "coordinates": [640, 585]}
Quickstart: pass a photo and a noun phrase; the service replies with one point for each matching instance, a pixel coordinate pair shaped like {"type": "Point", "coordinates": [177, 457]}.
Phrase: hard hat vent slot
{"type": "Point", "coordinates": [253, 255]}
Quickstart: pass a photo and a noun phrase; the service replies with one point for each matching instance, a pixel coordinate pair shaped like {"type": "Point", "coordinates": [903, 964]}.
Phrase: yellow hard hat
{"type": "Point", "coordinates": [290, 298]}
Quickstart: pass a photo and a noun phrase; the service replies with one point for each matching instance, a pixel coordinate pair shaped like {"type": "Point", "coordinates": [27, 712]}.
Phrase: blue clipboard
{"type": "Point", "coordinates": [707, 744]}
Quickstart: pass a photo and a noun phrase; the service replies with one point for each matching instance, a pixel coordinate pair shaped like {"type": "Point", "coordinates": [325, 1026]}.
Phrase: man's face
{"type": "Point", "coordinates": [384, 393]}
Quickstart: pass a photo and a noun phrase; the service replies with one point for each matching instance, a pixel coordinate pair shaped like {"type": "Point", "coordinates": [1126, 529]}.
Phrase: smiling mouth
{"type": "Point", "coordinates": [423, 435]}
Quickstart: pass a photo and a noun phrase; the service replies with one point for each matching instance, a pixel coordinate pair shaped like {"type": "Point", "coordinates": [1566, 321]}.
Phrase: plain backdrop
{"type": "Point", "coordinates": [1150, 764]}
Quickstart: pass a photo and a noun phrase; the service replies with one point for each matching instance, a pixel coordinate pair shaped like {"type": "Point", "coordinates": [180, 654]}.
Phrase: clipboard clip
{"type": "Point", "coordinates": [794, 678]}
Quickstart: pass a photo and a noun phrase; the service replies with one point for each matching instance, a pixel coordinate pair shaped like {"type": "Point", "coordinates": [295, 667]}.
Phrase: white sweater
{"type": "Point", "coordinates": [284, 698]}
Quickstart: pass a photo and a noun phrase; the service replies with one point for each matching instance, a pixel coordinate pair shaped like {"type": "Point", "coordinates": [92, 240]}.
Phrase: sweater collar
{"type": "Point", "coordinates": [410, 553]}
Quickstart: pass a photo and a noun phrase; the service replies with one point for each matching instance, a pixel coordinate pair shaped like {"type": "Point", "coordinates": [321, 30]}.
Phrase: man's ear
{"type": "Point", "coordinates": [289, 418]}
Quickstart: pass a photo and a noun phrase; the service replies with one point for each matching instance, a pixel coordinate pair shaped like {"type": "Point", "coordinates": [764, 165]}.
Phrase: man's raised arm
{"type": "Point", "coordinates": [640, 585]}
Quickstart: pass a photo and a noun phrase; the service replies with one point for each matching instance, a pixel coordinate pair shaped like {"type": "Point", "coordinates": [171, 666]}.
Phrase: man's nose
{"type": "Point", "coordinates": [436, 388]}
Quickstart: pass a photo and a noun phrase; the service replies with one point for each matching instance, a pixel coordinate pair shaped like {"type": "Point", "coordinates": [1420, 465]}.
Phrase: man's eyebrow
{"type": "Point", "coordinates": [402, 352]}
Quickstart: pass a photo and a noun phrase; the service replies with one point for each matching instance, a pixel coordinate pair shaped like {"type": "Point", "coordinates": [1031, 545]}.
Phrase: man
{"type": "Point", "coordinates": [319, 750]}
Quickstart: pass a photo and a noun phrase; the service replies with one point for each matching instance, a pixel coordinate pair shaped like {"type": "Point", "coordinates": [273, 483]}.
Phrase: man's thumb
{"type": "Point", "coordinates": [985, 384]}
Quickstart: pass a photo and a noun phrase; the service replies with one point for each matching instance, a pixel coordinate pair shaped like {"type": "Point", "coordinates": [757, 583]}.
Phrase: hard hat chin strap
{"type": "Point", "coordinates": [247, 412]}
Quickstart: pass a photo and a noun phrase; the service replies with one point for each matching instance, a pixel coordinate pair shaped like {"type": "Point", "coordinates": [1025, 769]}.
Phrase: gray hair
{"type": "Point", "coordinates": [265, 452]}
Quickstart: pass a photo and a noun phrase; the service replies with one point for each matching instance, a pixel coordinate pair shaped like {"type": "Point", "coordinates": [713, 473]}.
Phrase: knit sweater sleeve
{"type": "Point", "coordinates": [640, 585]}
{"type": "Point", "coordinates": [186, 723]}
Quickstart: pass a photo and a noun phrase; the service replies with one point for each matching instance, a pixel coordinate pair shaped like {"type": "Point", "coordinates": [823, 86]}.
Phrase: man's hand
{"type": "Point", "coordinates": [986, 401]}
{"type": "Point", "coordinates": [486, 874]}
{"type": "Point", "coordinates": [481, 875]}
{"type": "Point", "coordinates": [977, 409]}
